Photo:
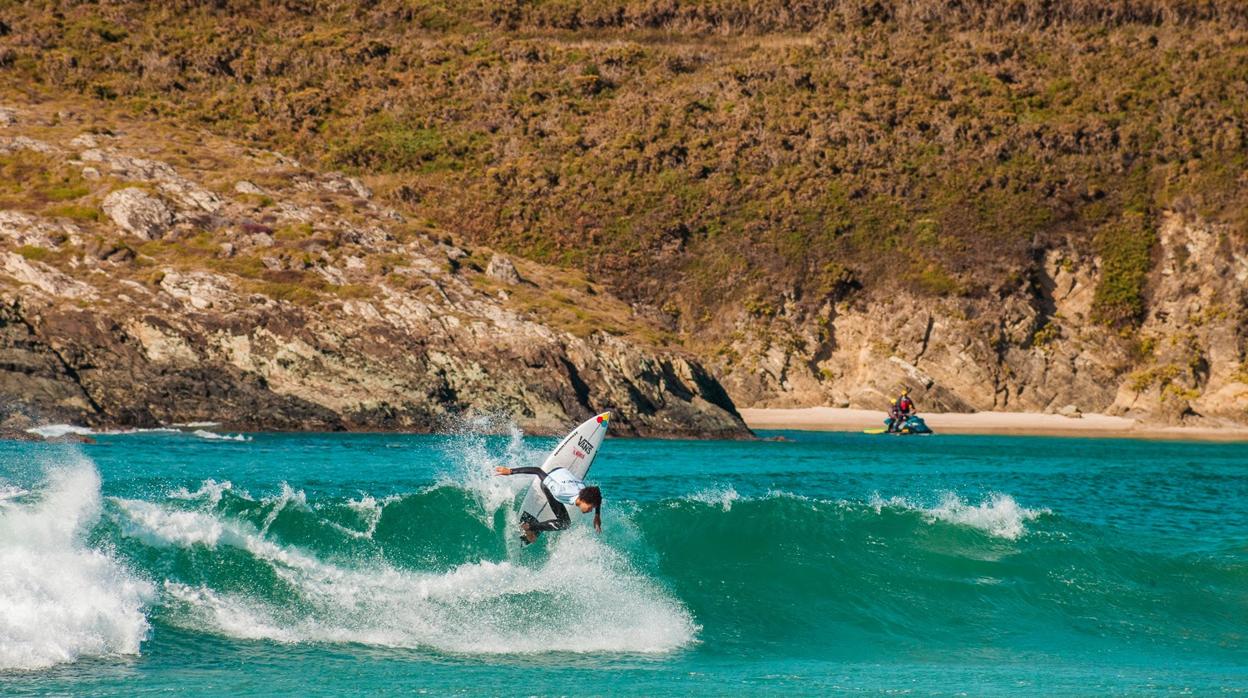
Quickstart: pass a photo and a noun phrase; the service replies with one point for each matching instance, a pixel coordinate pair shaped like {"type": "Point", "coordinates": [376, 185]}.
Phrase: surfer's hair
{"type": "Point", "coordinates": [593, 496]}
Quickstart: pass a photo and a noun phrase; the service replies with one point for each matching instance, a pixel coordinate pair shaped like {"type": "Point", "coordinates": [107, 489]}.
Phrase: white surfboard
{"type": "Point", "coordinates": [576, 452]}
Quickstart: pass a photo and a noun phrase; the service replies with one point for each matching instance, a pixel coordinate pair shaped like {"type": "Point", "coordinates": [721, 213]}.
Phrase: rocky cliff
{"type": "Point", "coordinates": [233, 285]}
{"type": "Point", "coordinates": [1036, 347]}
{"type": "Point", "coordinates": [1034, 205]}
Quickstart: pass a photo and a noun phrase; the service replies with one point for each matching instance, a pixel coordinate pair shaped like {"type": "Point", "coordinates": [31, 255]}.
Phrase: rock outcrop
{"type": "Point", "coordinates": [309, 307]}
{"type": "Point", "coordinates": [1035, 349]}
{"type": "Point", "coordinates": [138, 213]}
{"type": "Point", "coordinates": [502, 269]}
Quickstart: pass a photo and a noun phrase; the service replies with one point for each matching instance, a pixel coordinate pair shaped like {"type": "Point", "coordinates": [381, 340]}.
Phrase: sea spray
{"type": "Point", "coordinates": [59, 598]}
{"type": "Point", "coordinates": [473, 452]}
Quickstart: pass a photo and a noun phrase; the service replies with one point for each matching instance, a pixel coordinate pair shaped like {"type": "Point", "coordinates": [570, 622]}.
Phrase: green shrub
{"type": "Point", "coordinates": [386, 144]}
{"type": "Point", "coordinates": [78, 213]}
{"type": "Point", "coordinates": [1125, 248]}
{"type": "Point", "coordinates": [33, 253]}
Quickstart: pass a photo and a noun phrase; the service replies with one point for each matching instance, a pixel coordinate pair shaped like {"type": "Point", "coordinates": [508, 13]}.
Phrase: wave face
{"type": "Point", "coordinates": [284, 569]}
{"type": "Point", "coordinates": [356, 543]}
{"type": "Point", "coordinates": [415, 570]}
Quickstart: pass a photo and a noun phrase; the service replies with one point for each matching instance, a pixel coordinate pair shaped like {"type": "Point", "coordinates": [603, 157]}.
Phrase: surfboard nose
{"type": "Point", "coordinates": [604, 417]}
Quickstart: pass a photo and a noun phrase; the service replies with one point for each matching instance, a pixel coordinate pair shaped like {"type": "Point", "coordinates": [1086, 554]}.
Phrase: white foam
{"type": "Point", "coordinates": [52, 431]}
{"type": "Point", "coordinates": [209, 490]}
{"type": "Point", "coordinates": [288, 497]}
{"type": "Point", "coordinates": [196, 425]}
{"type": "Point", "coordinates": [162, 526]}
{"type": "Point", "coordinates": [716, 496]}
{"type": "Point", "coordinates": [59, 599]}
{"type": "Point", "coordinates": [213, 436]}
{"type": "Point", "coordinates": [8, 492]}
{"type": "Point", "coordinates": [369, 509]}
{"type": "Point", "coordinates": [997, 515]}
{"type": "Point", "coordinates": [584, 598]}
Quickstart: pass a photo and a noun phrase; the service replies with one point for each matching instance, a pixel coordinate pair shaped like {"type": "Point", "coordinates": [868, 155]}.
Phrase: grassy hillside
{"type": "Point", "coordinates": [700, 156]}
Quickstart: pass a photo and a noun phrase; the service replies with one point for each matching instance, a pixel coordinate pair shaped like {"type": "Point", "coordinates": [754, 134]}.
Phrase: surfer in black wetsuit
{"type": "Point", "coordinates": [564, 488]}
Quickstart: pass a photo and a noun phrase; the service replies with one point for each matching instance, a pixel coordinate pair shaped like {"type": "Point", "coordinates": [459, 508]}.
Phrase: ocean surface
{"type": "Point", "coordinates": [276, 564]}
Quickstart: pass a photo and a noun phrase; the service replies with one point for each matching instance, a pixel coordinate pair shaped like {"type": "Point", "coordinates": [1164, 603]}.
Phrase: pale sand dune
{"type": "Point", "coordinates": [840, 419]}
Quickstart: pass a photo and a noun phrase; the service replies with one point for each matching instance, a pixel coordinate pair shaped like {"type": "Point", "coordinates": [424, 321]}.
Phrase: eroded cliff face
{"type": "Point", "coordinates": [1036, 349]}
{"type": "Point", "coordinates": [233, 285]}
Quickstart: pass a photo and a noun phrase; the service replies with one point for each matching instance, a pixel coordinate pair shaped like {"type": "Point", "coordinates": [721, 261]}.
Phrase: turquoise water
{"type": "Point", "coordinates": [355, 564]}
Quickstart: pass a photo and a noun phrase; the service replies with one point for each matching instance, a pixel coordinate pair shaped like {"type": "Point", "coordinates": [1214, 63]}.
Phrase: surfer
{"type": "Point", "coordinates": [561, 487]}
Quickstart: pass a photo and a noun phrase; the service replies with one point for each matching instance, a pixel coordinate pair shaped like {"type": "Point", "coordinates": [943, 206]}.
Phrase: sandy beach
{"type": "Point", "coordinates": [844, 419]}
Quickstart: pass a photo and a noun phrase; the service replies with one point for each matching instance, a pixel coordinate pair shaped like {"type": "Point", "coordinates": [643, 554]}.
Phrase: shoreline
{"type": "Point", "coordinates": [990, 423]}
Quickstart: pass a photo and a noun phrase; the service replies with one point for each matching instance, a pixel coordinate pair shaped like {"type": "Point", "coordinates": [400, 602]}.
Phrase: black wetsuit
{"type": "Point", "coordinates": [562, 519]}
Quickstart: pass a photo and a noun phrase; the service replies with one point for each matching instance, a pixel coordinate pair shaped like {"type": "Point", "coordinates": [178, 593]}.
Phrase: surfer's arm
{"type": "Point", "coordinates": [526, 470]}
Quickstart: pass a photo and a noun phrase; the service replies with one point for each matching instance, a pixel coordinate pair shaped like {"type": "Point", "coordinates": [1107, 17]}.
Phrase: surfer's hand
{"type": "Point", "coordinates": [502, 470]}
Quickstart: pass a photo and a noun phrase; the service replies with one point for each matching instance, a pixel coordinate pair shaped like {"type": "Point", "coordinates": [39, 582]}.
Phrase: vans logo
{"type": "Point", "coordinates": [585, 445]}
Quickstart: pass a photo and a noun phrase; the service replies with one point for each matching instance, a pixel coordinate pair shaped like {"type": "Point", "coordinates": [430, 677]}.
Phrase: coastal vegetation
{"type": "Point", "coordinates": [687, 152]}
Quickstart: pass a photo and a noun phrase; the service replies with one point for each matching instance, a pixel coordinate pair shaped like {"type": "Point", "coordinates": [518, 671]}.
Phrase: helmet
{"type": "Point", "coordinates": [893, 401]}
{"type": "Point", "coordinates": [905, 390]}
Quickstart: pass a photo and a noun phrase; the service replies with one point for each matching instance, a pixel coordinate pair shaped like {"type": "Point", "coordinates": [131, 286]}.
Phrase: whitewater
{"type": "Point", "coordinates": [358, 564]}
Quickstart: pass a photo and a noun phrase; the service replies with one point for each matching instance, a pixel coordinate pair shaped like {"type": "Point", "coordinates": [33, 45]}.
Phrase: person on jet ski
{"type": "Point", "coordinates": [894, 416]}
{"type": "Point", "coordinates": [905, 405]}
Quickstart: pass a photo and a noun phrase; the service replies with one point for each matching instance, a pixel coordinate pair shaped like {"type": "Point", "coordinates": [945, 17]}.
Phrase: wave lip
{"type": "Point", "coordinates": [723, 497]}
{"type": "Point", "coordinates": [209, 490]}
{"type": "Point", "coordinates": [998, 515]}
{"type": "Point", "coordinates": [61, 600]}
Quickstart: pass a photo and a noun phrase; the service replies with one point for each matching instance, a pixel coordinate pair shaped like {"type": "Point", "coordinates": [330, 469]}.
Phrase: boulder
{"type": "Point", "coordinates": [500, 268]}
{"type": "Point", "coordinates": [24, 229]}
{"type": "Point", "coordinates": [138, 213]}
{"type": "Point", "coordinates": [43, 277]}
{"type": "Point", "coordinates": [85, 141]}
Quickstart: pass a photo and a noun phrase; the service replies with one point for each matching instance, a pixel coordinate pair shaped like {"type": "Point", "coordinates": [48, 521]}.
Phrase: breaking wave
{"type": "Point", "coordinates": [61, 599]}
